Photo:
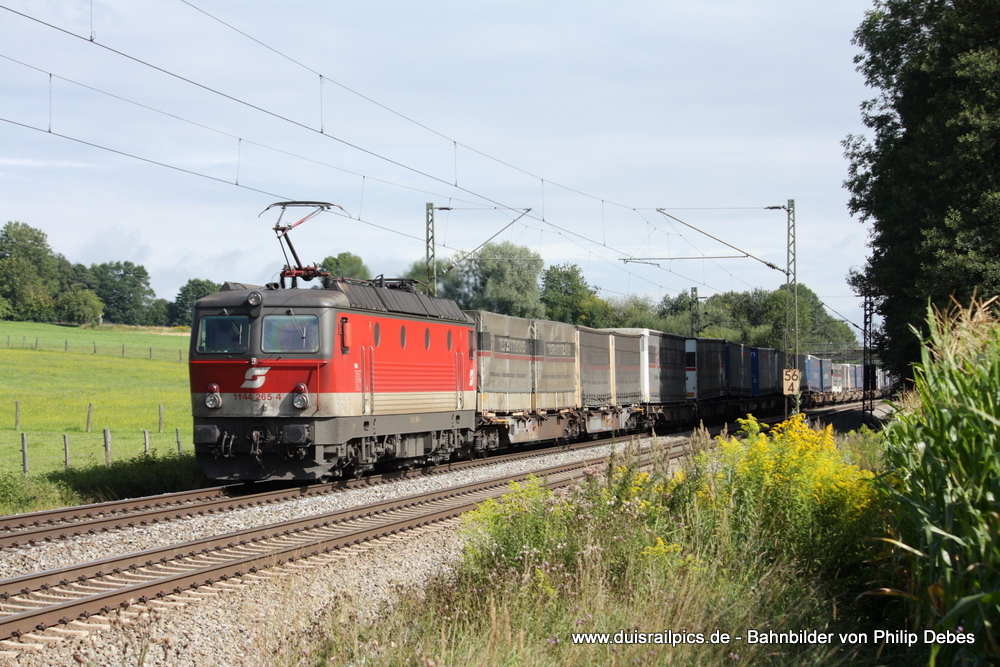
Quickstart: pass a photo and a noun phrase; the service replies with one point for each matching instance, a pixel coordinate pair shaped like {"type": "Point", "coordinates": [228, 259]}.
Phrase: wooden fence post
{"type": "Point", "coordinates": [161, 418]}
{"type": "Point", "coordinates": [145, 441]}
{"type": "Point", "coordinates": [36, 343]}
{"type": "Point", "coordinates": [95, 347]}
{"type": "Point", "coordinates": [150, 354]}
{"type": "Point", "coordinates": [107, 447]}
{"type": "Point", "coordinates": [66, 346]}
{"type": "Point", "coordinates": [90, 415]}
{"type": "Point", "coordinates": [123, 350]}
{"type": "Point", "coordinates": [24, 452]}
{"type": "Point", "coordinates": [17, 415]}
{"type": "Point", "coordinates": [179, 358]}
{"type": "Point", "coordinates": [66, 449]}
{"type": "Point", "coordinates": [180, 449]}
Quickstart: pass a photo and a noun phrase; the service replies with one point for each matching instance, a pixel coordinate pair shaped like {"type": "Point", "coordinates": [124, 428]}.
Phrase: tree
{"type": "Point", "coordinates": [451, 280]}
{"type": "Point", "coordinates": [124, 289]}
{"type": "Point", "coordinates": [180, 311]}
{"type": "Point", "coordinates": [346, 265]}
{"type": "Point", "coordinates": [566, 295]}
{"type": "Point", "coordinates": [29, 272]}
{"type": "Point", "coordinates": [78, 306]}
{"type": "Point", "coordinates": [504, 279]}
{"type": "Point", "coordinates": [929, 179]}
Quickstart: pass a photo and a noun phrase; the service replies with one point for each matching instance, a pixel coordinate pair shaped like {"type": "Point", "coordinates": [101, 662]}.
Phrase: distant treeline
{"type": "Point", "coordinates": [39, 285]}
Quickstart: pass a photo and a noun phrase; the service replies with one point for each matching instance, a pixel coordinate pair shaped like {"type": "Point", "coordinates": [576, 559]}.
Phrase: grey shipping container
{"type": "Point", "coordinates": [505, 362]}
{"type": "Point", "coordinates": [711, 362]}
{"type": "Point", "coordinates": [662, 357]}
{"type": "Point", "coordinates": [595, 367]}
{"type": "Point", "coordinates": [628, 369]}
{"type": "Point", "coordinates": [555, 366]}
{"type": "Point", "coordinates": [738, 369]}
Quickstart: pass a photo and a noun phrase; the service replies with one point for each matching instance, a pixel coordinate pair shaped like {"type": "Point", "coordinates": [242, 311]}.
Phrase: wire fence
{"type": "Point", "coordinates": [45, 451]}
{"type": "Point", "coordinates": [123, 350]}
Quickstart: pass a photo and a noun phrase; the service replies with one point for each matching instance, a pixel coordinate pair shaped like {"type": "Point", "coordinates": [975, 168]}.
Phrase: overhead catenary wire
{"type": "Point", "coordinates": [273, 114]}
{"type": "Point", "coordinates": [559, 229]}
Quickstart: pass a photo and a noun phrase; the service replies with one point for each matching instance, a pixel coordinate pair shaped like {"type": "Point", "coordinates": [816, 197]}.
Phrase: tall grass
{"type": "Point", "coordinates": [637, 552]}
{"type": "Point", "coordinates": [945, 450]}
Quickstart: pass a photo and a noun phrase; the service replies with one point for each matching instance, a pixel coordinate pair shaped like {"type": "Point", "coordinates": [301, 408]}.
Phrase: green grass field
{"type": "Point", "coordinates": [167, 344]}
{"type": "Point", "coordinates": [55, 387]}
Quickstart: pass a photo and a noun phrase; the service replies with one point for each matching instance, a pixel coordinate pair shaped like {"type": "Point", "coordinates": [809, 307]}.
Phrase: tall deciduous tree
{"type": "Point", "coordinates": [928, 180]}
{"type": "Point", "coordinates": [29, 273]}
{"type": "Point", "coordinates": [504, 279]}
{"type": "Point", "coordinates": [179, 312]}
{"type": "Point", "coordinates": [566, 295]}
{"type": "Point", "coordinates": [347, 265]}
{"type": "Point", "coordinates": [124, 289]}
{"type": "Point", "coordinates": [78, 306]}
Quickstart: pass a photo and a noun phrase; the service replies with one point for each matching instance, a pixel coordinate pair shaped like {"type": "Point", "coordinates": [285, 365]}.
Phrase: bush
{"type": "Point", "coordinates": [789, 489]}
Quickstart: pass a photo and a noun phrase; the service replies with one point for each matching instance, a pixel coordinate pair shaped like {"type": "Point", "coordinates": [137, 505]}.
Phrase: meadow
{"type": "Point", "coordinates": [47, 393]}
{"type": "Point", "coordinates": [166, 344]}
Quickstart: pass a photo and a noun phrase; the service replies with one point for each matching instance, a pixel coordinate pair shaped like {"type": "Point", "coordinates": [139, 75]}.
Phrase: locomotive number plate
{"type": "Point", "coordinates": [257, 397]}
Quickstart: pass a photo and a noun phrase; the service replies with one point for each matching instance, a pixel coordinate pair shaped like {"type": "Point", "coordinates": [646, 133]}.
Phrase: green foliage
{"type": "Point", "coordinates": [626, 550]}
{"type": "Point", "coordinates": [789, 490]}
{"type": "Point", "coordinates": [124, 289]}
{"type": "Point", "coordinates": [346, 265]}
{"type": "Point", "coordinates": [945, 451]}
{"type": "Point", "coordinates": [567, 296]}
{"type": "Point", "coordinates": [503, 278]}
{"type": "Point", "coordinates": [451, 283]}
{"type": "Point", "coordinates": [756, 317]}
{"type": "Point", "coordinates": [928, 180]}
{"type": "Point", "coordinates": [19, 494]}
{"type": "Point", "coordinates": [137, 476]}
{"type": "Point", "coordinates": [78, 306]}
{"type": "Point", "coordinates": [180, 311]}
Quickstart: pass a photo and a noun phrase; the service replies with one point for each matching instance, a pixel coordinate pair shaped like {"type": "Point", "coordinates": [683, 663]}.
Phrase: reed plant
{"type": "Point", "coordinates": [945, 453]}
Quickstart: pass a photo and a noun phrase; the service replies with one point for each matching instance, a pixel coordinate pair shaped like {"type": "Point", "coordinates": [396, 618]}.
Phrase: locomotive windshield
{"type": "Point", "coordinates": [223, 334]}
{"type": "Point", "coordinates": [290, 333]}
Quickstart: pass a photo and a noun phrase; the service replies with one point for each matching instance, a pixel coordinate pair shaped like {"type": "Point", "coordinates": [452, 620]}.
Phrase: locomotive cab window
{"type": "Point", "coordinates": [290, 333]}
{"type": "Point", "coordinates": [223, 334]}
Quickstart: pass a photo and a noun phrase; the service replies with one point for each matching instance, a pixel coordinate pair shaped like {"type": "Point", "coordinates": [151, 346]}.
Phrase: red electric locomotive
{"type": "Point", "coordinates": [315, 383]}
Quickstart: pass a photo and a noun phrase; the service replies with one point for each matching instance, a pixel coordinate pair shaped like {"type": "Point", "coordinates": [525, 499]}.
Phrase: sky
{"type": "Point", "coordinates": [158, 132]}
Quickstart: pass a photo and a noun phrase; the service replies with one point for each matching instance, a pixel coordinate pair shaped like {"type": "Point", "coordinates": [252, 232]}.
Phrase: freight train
{"type": "Point", "coordinates": [312, 384]}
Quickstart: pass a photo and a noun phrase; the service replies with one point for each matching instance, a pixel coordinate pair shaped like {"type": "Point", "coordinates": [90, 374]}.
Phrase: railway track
{"type": "Point", "coordinates": [42, 607]}
{"type": "Point", "coordinates": [45, 607]}
{"type": "Point", "coordinates": [29, 529]}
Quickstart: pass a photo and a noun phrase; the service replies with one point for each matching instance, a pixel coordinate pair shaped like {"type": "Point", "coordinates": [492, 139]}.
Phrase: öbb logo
{"type": "Point", "coordinates": [255, 378]}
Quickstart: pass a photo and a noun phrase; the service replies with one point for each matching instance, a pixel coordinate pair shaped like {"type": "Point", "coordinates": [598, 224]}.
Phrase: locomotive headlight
{"type": "Point", "coordinates": [212, 399]}
{"type": "Point", "coordinates": [301, 399]}
{"type": "Point", "coordinates": [255, 298]}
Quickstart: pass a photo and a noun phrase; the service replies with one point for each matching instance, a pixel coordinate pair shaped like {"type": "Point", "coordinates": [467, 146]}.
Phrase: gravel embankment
{"type": "Point", "coordinates": [52, 555]}
{"type": "Point", "coordinates": [269, 621]}
{"type": "Point", "coordinates": [253, 624]}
